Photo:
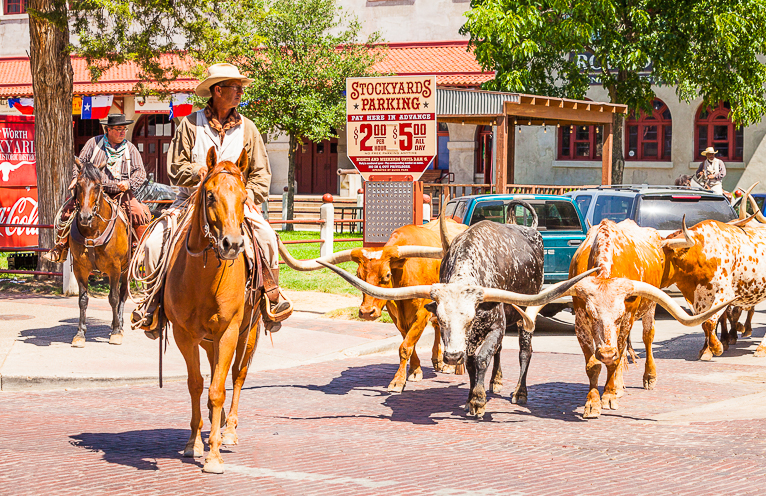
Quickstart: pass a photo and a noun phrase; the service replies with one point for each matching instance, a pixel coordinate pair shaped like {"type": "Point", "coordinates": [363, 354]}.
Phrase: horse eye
{"type": "Point", "coordinates": [210, 197]}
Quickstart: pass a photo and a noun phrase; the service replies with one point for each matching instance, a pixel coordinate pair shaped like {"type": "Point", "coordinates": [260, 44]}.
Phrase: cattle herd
{"type": "Point", "coordinates": [476, 283]}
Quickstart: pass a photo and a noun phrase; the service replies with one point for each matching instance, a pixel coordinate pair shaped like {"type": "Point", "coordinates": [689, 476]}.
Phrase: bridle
{"type": "Point", "coordinates": [213, 242]}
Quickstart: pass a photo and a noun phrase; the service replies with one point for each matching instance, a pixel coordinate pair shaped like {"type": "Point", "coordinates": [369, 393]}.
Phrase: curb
{"type": "Point", "coordinates": [11, 383]}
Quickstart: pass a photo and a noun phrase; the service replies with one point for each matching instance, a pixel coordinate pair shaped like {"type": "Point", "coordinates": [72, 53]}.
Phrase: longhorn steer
{"type": "Point", "coordinates": [390, 267]}
{"type": "Point", "coordinates": [713, 262]}
{"type": "Point", "coordinates": [486, 270]}
{"type": "Point", "coordinates": [630, 263]}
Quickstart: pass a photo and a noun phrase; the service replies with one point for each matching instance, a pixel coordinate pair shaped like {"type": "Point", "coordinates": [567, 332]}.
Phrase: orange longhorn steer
{"type": "Point", "coordinates": [391, 267]}
{"type": "Point", "coordinates": [631, 264]}
{"type": "Point", "coordinates": [713, 262]}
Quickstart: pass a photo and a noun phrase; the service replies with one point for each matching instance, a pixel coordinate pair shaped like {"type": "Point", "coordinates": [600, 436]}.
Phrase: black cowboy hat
{"type": "Point", "coordinates": [116, 120]}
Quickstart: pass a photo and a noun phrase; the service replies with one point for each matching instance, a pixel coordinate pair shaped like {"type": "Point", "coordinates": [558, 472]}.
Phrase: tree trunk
{"type": "Point", "coordinates": [52, 86]}
{"type": "Point", "coordinates": [291, 181]}
{"type": "Point", "coordinates": [618, 161]}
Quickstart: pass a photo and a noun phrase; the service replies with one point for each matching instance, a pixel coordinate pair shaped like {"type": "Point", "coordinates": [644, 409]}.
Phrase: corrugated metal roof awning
{"type": "Point", "coordinates": [454, 102]}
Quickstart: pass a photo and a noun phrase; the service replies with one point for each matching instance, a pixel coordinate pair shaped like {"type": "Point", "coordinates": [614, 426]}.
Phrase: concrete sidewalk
{"type": "Point", "coordinates": [36, 352]}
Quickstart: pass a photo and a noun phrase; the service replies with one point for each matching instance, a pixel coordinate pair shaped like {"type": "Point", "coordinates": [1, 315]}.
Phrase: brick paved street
{"type": "Point", "coordinates": [331, 428]}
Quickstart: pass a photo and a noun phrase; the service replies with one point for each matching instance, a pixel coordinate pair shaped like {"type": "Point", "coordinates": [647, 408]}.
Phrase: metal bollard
{"type": "Point", "coordinates": [327, 214]}
{"type": "Point", "coordinates": [284, 208]}
{"type": "Point", "coordinates": [70, 281]}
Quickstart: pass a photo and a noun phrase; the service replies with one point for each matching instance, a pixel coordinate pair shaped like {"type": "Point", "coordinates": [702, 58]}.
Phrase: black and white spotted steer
{"type": "Point", "coordinates": [486, 271]}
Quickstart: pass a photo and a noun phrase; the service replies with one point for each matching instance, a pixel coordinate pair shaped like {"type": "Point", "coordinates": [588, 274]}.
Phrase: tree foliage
{"type": "Point", "coordinates": [701, 47]}
{"type": "Point", "coordinates": [299, 54]}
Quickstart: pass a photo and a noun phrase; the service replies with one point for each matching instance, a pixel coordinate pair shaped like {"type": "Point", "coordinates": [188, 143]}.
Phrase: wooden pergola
{"type": "Point", "coordinates": [508, 110]}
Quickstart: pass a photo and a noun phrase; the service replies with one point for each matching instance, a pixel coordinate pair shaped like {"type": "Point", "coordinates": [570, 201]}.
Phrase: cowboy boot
{"type": "Point", "coordinates": [146, 320]}
{"type": "Point", "coordinates": [58, 253]}
{"type": "Point", "coordinates": [279, 309]}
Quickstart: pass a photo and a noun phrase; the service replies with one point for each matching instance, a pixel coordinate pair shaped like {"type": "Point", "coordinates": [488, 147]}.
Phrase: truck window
{"type": "Point", "coordinates": [449, 210]}
{"type": "Point", "coordinates": [583, 202]}
{"type": "Point", "coordinates": [459, 214]}
{"type": "Point", "coordinates": [616, 208]}
{"type": "Point", "coordinates": [665, 213]}
{"type": "Point", "coordinates": [552, 215]}
{"type": "Point", "coordinates": [494, 211]}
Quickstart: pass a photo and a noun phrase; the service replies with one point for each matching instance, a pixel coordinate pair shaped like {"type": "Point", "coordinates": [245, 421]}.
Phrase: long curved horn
{"type": "Point", "coordinates": [743, 203]}
{"type": "Point", "coordinates": [529, 315]}
{"type": "Point", "coordinates": [590, 226]}
{"type": "Point", "coordinates": [306, 265]}
{"type": "Point", "coordinates": [646, 290]}
{"type": "Point", "coordinates": [547, 296]}
{"type": "Point", "coordinates": [741, 222]}
{"type": "Point", "coordinates": [405, 293]}
{"type": "Point", "coordinates": [758, 215]}
{"type": "Point", "coordinates": [419, 252]}
{"type": "Point", "coordinates": [677, 243]}
{"type": "Point", "coordinates": [443, 231]}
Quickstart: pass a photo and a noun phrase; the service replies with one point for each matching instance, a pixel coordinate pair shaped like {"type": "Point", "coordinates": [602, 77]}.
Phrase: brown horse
{"type": "Point", "coordinates": [205, 300]}
{"type": "Point", "coordinates": [98, 239]}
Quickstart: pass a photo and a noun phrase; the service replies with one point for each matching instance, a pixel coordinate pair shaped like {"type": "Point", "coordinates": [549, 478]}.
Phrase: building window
{"type": "Point", "coordinates": [713, 127]}
{"type": "Point", "coordinates": [650, 137]}
{"type": "Point", "coordinates": [483, 159]}
{"type": "Point", "coordinates": [13, 7]}
{"type": "Point", "coordinates": [580, 142]}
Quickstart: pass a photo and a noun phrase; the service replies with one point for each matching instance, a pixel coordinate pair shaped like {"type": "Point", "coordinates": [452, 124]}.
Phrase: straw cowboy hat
{"type": "Point", "coordinates": [710, 149]}
{"type": "Point", "coordinates": [217, 73]}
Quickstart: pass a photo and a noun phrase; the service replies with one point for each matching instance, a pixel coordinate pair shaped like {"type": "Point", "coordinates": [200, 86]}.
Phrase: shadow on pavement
{"type": "Point", "coordinates": [137, 449]}
{"type": "Point", "coordinates": [686, 347]}
{"type": "Point", "coordinates": [64, 333]}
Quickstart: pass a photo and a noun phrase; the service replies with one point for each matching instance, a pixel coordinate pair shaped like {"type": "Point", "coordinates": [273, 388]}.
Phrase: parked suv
{"type": "Point", "coordinates": [559, 223]}
{"type": "Point", "coordinates": [659, 207]}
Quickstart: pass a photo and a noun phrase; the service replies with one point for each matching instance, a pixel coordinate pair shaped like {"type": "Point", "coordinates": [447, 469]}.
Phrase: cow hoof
{"type": "Point", "coordinates": [115, 338]}
{"type": "Point", "coordinates": [229, 439]}
{"type": "Point", "coordinates": [747, 331]}
{"type": "Point", "coordinates": [760, 351]}
{"type": "Point", "coordinates": [519, 399]}
{"type": "Point", "coordinates": [609, 402]}
{"type": "Point", "coordinates": [213, 466]}
{"type": "Point", "coordinates": [650, 382]}
{"type": "Point", "coordinates": [194, 450]}
{"type": "Point", "coordinates": [79, 340]}
{"type": "Point", "coordinates": [620, 392]}
{"type": "Point", "coordinates": [718, 349]}
{"type": "Point", "coordinates": [460, 369]}
{"type": "Point", "coordinates": [396, 386]}
{"type": "Point", "coordinates": [416, 376]}
{"type": "Point", "coordinates": [706, 355]}
{"type": "Point", "coordinates": [592, 410]}
{"type": "Point", "coordinates": [496, 387]}
{"type": "Point", "coordinates": [732, 338]}
{"type": "Point", "coordinates": [447, 369]}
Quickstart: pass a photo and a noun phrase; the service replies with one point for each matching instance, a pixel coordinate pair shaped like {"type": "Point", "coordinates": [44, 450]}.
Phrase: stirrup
{"type": "Point", "coordinates": [57, 258]}
{"type": "Point", "coordinates": [279, 312]}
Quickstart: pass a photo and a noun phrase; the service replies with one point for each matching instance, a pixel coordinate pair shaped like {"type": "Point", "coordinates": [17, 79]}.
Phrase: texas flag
{"type": "Point", "coordinates": [24, 105]}
{"type": "Point", "coordinates": [96, 107]}
{"type": "Point", "coordinates": [180, 105]}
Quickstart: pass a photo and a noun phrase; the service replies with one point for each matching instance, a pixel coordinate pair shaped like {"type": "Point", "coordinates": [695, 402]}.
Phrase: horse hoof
{"type": "Point", "coordinates": [78, 341]}
{"type": "Point", "coordinates": [115, 338]}
{"type": "Point", "coordinates": [229, 439]}
{"type": "Point", "coordinates": [153, 334]}
{"type": "Point", "coordinates": [213, 467]}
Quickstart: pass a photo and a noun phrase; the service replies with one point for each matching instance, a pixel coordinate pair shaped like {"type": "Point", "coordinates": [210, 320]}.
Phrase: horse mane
{"type": "Point", "coordinates": [90, 171]}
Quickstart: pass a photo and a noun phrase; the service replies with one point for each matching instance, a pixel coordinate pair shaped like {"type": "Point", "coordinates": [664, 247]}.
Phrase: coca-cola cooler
{"type": "Point", "coordinates": [18, 181]}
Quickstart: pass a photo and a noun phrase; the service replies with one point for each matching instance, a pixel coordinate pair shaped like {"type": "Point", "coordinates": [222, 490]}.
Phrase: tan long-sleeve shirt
{"type": "Point", "coordinates": [183, 172]}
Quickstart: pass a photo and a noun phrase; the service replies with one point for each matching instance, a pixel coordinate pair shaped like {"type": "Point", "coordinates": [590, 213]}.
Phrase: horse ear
{"type": "Point", "coordinates": [242, 161]}
{"type": "Point", "coordinates": [78, 163]}
{"type": "Point", "coordinates": [101, 166]}
{"type": "Point", "coordinates": [212, 158]}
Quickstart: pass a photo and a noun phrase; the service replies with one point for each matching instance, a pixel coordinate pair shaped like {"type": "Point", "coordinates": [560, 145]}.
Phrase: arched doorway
{"type": "Point", "coordinates": [316, 166]}
{"type": "Point", "coordinates": [152, 135]}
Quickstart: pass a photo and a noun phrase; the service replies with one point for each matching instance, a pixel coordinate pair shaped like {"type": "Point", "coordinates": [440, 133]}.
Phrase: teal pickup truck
{"type": "Point", "coordinates": [559, 222]}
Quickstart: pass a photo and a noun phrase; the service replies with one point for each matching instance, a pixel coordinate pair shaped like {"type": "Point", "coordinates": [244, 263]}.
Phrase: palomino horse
{"type": "Point", "coordinates": [98, 240]}
{"type": "Point", "coordinates": [205, 300]}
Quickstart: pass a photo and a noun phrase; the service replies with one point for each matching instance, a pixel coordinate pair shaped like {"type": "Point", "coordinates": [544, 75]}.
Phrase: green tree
{"type": "Point", "coordinates": [299, 55]}
{"type": "Point", "coordinates": [702, 47]}
{"type": "Point", "coordinates": [106, 32]}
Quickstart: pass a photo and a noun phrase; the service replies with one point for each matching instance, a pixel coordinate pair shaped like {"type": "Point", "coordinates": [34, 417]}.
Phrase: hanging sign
{"type": "Point", "coordinates": [391, 125]}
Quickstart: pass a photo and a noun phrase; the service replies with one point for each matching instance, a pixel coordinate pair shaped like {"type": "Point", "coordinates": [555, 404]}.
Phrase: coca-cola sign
{"type": "Point", "coordinates": [18, 206]}
{"type": "Point", "coordinates": [17, 153]}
